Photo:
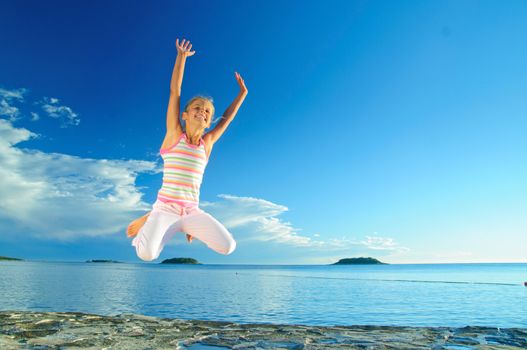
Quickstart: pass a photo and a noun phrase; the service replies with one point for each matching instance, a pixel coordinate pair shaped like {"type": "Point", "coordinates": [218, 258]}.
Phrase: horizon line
{"type": "Point", "coordinates": [264, 264]}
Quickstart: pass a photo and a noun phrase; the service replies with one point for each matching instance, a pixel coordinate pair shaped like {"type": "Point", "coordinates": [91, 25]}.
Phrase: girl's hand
{"type": "Point", "coordinates": [184, 48]}
{"type": "Point", "coordinates": [243, 88]}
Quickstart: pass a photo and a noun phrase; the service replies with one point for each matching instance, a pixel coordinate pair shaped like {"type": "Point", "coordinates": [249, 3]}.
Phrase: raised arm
{"type": "Point", "coordinates": [212, 136]}
{"type": "Point", "coordinates": [174, 128]}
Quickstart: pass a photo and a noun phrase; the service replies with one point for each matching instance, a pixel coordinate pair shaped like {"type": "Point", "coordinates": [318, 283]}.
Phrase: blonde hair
{"type": "Point", "coordinates": [204, 98]}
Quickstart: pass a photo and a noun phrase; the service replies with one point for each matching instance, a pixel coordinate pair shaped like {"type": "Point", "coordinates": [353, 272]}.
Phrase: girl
{"type": "Point", "coordinates": [185, 153]}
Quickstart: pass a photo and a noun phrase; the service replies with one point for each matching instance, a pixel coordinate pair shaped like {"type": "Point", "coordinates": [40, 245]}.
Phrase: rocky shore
{"type": "Point", "coordinates": [55, 330]}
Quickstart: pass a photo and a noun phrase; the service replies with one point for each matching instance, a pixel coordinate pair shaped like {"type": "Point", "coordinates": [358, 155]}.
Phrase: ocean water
{"type": "Point", "coordinates": [404, 295]}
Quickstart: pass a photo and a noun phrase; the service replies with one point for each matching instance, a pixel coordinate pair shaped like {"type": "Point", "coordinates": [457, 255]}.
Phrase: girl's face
{"type": "Point", "coordinates": [200, 113]}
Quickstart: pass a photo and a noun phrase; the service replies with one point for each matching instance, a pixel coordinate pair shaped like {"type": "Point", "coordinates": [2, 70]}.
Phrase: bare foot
{"type": "Point", "coordinates": [136, 225]}
{"type": "Point", "coordinates": [189, 238]}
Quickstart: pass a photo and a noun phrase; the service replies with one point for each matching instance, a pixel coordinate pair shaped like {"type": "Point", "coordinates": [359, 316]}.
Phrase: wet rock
{"type": "Point", "coordinates": [54, 330]}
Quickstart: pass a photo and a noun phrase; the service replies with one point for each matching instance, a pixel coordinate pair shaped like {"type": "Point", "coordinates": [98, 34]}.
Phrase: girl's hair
{"type": "Point", "coordinates": [201, 97]}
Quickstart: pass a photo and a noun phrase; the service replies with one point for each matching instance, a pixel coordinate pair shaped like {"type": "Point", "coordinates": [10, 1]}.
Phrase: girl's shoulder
{"type": "Point", "coordinates": [171, 140]}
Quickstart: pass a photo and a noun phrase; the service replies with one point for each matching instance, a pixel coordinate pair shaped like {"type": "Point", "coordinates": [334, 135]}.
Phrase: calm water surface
{"type": "Point", "coordinates": [405, 295]}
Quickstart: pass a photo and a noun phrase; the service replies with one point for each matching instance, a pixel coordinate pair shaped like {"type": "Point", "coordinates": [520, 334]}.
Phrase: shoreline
{"type": "Point", "coordinates": [29, 329]}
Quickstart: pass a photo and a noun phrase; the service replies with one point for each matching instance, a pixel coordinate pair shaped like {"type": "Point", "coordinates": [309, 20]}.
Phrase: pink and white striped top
{"type": "Point", "coordinates": [183, 169]}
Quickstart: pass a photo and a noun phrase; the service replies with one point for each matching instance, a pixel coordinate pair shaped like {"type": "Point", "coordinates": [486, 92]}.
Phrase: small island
{"type": "Point", "coordinates": [188, 261]}
{"type": "Point", "coordinates": [102, 261]}
{"type": "Point", "coordinates": [6, 258]}
{"type": "Point", "coordinates": [359, 261]}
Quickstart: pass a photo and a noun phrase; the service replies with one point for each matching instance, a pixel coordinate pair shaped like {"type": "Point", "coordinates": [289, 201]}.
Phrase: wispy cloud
{"type": "Point", "coordinates": [382, 243]}
{"type": "Point", "coordinates": [257, 220]}
{"type": "Point", "coordinates": [7, 100]}
{"type": "Point", "coordinates": [63, 113]}
{"type": "Point", "coordinates": [12, 100]}
{"type": "Point", "coordinates": [34, 117]}
{"type": "Point", "coordinates": [9, 111]}
{"type": "Point", "coordinates": [16, 94]}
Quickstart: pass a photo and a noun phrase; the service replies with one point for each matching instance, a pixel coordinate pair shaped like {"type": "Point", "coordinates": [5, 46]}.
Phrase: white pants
{"type": "Point", "coordinates": [166, 219]}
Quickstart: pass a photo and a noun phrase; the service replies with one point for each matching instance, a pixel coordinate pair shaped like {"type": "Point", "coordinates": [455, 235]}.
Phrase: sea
{"type": "Point", "coordinates": [427, 295]}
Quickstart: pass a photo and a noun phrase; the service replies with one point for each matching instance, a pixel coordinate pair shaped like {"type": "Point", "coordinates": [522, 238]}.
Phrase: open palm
{"type": "Point", "coordinates": [184, 48]}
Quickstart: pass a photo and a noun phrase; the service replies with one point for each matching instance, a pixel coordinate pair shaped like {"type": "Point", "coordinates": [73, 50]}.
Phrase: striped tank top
{"type": "Point", "coordinates": [184, 164]}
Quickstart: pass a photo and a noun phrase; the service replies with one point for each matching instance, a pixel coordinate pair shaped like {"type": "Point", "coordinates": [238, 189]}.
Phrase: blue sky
{"type": "Point", "coordinates": [392, 129]}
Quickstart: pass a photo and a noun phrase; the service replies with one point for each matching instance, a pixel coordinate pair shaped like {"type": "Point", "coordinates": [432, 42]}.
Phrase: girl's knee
{"type": "Point", "coordinates": [146, 254]}
{"type": "Point", "coordinates": [230, 247]}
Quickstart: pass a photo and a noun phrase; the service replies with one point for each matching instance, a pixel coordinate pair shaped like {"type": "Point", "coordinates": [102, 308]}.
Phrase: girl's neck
{"type": "Point", "coordinates": [193, 136]}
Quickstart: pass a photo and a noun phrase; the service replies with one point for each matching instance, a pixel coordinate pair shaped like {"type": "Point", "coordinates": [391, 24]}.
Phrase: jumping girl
{"type": "Point", "coordinates": [185, 152]}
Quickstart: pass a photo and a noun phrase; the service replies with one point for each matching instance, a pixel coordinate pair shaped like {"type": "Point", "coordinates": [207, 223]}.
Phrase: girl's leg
{"type": "Point", "coordinates": [207, 229]}
{"type": "Point", "coordinates": [157, 230]}
{"type": "Point", "coordinates": [134, 227]}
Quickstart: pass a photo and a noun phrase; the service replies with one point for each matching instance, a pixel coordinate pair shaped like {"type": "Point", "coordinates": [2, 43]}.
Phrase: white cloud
{"type": "Point", "coordinates": [50, 106]}
{"type": "Point", "coordinates": [381, 243]}
{"type": "Point", "coordinates": [63, 113]}
{"type": "Point", "coordinates": [7, 98]}
{"type": "Point", "coordinates": [17, 94]}
{"type": "Point", "coordinates": [256, 220]}
{"type": "Point", "coordinates": [61, 196]}
{"type": "Point", "coordinates": [9, 111]}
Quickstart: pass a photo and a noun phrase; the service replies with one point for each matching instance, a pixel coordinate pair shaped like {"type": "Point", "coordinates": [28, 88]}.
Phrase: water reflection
{"type": "Point", "coordinates": [298, 295]}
